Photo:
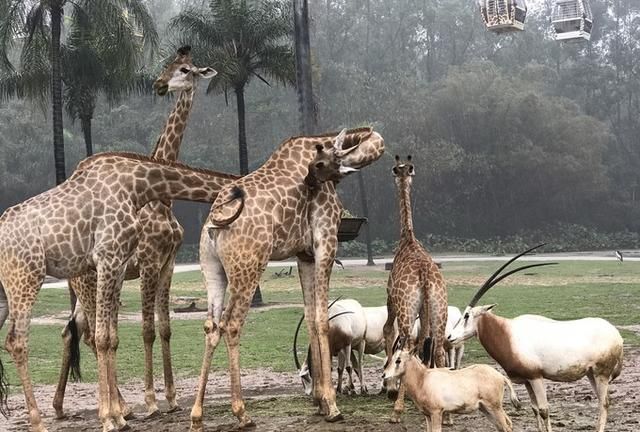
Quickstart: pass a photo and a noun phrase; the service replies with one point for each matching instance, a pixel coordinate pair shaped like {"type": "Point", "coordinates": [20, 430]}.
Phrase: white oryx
{"type": "Point", "coordinates": [439, 390]}
{"type": "Point", "coordinates": [454, 353]}
{"type": "Point", "coordinates": [347, 329]}
{"type": "Point", "coordinates": [531, 348]}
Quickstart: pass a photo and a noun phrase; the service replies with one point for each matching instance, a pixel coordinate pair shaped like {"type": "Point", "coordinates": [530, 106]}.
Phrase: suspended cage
{"type": "Point", "coordinates": [572, 20]}
{"type": "Point", "coordinates": [503, 16]}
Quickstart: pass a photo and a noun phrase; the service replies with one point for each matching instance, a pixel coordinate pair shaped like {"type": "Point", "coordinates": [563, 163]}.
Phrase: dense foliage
{"type": "Point", "coordinates": [515, 137]}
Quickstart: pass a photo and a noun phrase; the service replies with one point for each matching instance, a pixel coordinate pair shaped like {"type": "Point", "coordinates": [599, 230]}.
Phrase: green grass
{"type": "Point", "coordinates": [569, 290]}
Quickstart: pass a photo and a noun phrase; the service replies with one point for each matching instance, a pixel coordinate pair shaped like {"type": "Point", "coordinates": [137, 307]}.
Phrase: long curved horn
{"type": "Point", "coordinates": [295, 344]}
{"type": "Point", "coordinates": [295, 337]}
{"type": "Point", "coordinates": [489, 282]}
{"type": "Point", "coordinates": [509, 273]}
{"type": "Point", "coordinates": [338, 314]}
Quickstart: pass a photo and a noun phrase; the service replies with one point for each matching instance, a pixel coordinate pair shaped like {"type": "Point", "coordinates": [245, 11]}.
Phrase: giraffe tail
{"type": "Point", "coordinates": [74, 350]}
{"type": "Point", "coordinates": [4, 384]}
{"type": "Point", "coordinates": [219, 221]}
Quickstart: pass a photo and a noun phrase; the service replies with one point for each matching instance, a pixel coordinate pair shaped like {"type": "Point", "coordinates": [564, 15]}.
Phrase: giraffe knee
{"type": "Point", "coordinates": [148, 334]}
{"type": "Point", "coordinates": [165, 332]}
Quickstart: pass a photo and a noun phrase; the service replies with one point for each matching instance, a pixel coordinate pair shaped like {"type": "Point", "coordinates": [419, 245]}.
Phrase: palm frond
{"type": "Point", "coordinates": [13, 15]}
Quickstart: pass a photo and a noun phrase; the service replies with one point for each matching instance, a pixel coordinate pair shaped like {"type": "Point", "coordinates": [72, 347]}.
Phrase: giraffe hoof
{"type": "Point", "coordinates": [334, 418]}
{"type": "Point", "coordinates": [152, 415]}
{"type": "Point", "coordinates": [247, 424]}
{"type": "Point", "coordinates": [175, 408]}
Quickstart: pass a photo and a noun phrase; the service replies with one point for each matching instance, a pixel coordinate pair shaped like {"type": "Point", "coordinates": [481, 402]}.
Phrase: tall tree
{"type": "Point", "coordinates": [241, 41]}
{"type": "Point", "coordinates": [304, 84]}
{"type": "Point", "coordinates": [35, 27]}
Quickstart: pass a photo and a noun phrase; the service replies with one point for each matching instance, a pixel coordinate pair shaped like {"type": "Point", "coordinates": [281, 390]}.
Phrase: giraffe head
{"type": "Point", "coordinates": [181, 74]}
{"type": "Point", "coordinates": [350, 151]}
{"type": "Point", "coordinates": [403, 171]}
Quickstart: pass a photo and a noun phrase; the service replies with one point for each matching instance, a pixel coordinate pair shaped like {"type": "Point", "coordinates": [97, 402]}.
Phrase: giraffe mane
{"type": "Point", "coordinates": [143, 158]}
{"type": "Point", "coordinates": [354, 136]}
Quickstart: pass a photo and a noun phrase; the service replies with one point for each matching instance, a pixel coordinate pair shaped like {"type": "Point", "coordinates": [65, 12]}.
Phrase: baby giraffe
{"type": "Point", "coordinates": [415, 287]}
{"type": "Point", "coordinates": [436, 391]}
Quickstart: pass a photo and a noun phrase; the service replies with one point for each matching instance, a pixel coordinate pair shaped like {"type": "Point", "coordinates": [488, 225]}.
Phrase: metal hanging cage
{"type": "Point", "coordinates": [572, 20]}
{"type": "Point", "coordinates": [503, 16]}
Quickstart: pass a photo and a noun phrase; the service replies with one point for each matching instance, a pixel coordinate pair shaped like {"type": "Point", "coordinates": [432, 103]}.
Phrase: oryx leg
{"type": "Point", "coordinates": [358, 367]}
{"type": "Point", "coordinates": [341, 364]}
{"type": "Point", "coordinates": [436, 421]}
{"type": "Point", "coordinates": [497, 416]}
{"type": "Point", "coordinates": [539, 403]}
{"type": "Point", "coordinates": [459, 353]}
{"type": "Point", "coordinates": [600, 386]}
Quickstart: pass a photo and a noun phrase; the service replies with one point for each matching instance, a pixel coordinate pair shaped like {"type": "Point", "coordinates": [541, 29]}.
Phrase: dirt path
{"type": "Point", "coordinates": [276, 404]}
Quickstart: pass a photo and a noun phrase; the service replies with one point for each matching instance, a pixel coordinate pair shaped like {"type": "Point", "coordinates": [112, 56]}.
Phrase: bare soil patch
{"type": "Point", "coordinates": [276, 403]}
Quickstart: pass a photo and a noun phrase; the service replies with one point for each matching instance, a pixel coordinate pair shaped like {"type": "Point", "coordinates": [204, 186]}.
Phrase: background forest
{"type": "Point", "coordinates": [515, 138]}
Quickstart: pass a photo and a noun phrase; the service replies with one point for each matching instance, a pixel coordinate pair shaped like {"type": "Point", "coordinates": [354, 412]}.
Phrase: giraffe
{"type": "Point", "coordinates": [88, 222]}
{"type": "Point", "coordinates": [415, 286]}
{"type": "Point", "coordinates": [159, 240]}
{"type": "Point", "coordinates": [275, 213]}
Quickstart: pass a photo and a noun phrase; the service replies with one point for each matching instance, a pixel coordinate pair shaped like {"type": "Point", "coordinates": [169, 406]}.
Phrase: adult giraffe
{"type": "Point", "coordinates": [159, 240]}
{"type": "Point", "coordinates": [276, 212]}
{"type": "Point", "coordinates": [88, 222]}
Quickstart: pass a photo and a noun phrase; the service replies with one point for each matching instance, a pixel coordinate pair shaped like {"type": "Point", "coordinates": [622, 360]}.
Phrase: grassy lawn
{"type": "Point", "coordinates": [568, 290]}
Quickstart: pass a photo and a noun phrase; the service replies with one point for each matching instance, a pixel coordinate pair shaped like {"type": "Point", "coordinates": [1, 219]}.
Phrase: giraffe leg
{"type": "Point", "coordinates": [216, 282]}
{"type": "Point", "coordinates": [17, 341]}
{"type": "Point", "coordinates": [164, 329]}
{"type": "Point", "coordinates": [149, 275]}
{"type": "Point", "coordinates": [107, 298]}
{"type": "Point", "coordinates": [389, 333]}
{"type": "Point", "coordinates": [307, 281]}
{"type": "Point", "coordinates": [322, 269]}
{"type": "Point", "coordinates": [232, 322]}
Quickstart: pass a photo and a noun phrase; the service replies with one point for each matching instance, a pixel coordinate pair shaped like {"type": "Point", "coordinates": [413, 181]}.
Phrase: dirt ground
{"type": "Point", "coordinates": [276, 404]}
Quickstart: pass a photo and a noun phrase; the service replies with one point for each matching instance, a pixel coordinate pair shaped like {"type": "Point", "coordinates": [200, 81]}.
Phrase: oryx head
{"type": "Point", "coordinates": [349, 151]}
{"type": "Point", "coordinates": [467, 325]}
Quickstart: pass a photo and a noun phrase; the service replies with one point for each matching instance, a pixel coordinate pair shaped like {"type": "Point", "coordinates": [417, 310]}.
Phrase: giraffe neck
{"type": "Point", "coordinates": [168, 144]}
{"type": "Point", "coordinates": [406, 218]}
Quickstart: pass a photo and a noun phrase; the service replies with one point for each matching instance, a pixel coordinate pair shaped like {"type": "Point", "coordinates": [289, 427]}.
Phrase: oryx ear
{"type": "Point", "coordinates": [339, 141]}
{"type": "Point", "coordinates": [207, 72]}
{"type": "Point", "coordinates": [487, 308]}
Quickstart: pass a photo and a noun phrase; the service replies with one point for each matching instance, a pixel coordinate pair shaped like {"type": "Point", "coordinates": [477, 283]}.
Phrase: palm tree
{"type": "Point", "coordinates": [96, 62]}
{"type": "Point", "coordinates": [241, 41]}
{"type": "Point", "coordinates": [36, 26]}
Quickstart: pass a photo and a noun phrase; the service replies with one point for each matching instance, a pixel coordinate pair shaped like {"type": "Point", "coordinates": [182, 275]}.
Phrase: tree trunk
{"type": "Point", "coordinates": [85, 125]}
{"type": "Point", "coordinates": [365, 213]}
{"type": "Point", "coordinates": [304, 85]}
{"type": "Point", "coordinates": [242, 133]}
{"type": "Point", "coordinates": [56, 91]}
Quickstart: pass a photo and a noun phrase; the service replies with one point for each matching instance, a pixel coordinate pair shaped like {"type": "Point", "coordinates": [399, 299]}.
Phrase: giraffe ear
{"type": "Point", "coordinates": [207, 72]}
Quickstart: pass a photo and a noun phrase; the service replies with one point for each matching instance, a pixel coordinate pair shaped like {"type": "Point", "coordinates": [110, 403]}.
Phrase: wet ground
{"type": "Point", "coordinates": [276, 403]}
